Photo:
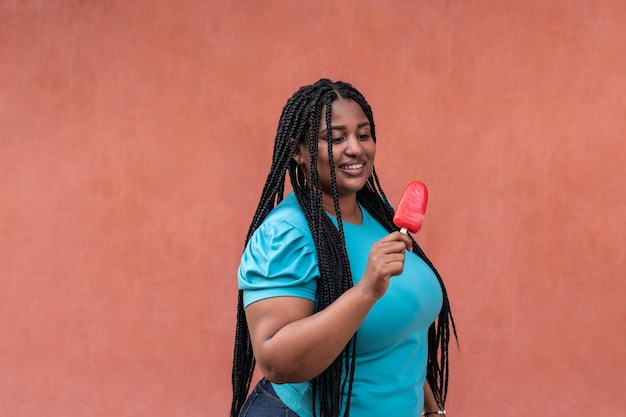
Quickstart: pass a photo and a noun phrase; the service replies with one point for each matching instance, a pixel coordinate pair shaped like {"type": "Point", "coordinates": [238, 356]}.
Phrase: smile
{"type": "Point", "coordinates": [353, 169]}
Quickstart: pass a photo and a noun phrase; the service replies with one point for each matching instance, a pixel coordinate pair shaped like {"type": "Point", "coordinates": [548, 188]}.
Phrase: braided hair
{"type": "Point", "coordinates": [299, 124]}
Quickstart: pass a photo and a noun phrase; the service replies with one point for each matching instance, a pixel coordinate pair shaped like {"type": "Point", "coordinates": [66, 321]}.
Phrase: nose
{"type": "Point", "coordinates": [353, 145]}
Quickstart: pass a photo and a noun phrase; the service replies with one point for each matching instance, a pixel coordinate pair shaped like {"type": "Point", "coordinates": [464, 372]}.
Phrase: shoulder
{"type": "Point", "coordinates": [284, 232]}
{"type": "Point", "coordinates": [280, 257]}
{"type": "Point", "coordinates": [287, 214]}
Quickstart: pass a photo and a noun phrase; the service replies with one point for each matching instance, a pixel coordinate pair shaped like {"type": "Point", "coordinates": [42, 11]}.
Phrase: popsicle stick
{"type": "Point", "coordinates": [403, 230]}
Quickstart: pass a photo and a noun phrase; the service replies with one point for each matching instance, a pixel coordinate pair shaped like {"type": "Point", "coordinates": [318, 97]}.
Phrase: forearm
{"type": "Point", "coordinates": [293, 344]}
{"type": "Point", "coordinates": [430, 404]}
{"type": "Point", "coordinates": [304, 348]}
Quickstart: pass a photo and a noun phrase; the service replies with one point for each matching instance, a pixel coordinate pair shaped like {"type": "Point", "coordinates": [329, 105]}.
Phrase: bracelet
{"type": "Point", "coordinates": [438, 412]}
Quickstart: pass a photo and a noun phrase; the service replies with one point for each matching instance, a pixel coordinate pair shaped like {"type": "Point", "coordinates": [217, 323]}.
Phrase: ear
{"type": "Point", "coordinates": [297, 153]}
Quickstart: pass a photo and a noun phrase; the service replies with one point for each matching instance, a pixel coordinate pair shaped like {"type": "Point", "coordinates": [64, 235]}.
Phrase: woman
{"type": "Point", "coordinates": [336, 306]}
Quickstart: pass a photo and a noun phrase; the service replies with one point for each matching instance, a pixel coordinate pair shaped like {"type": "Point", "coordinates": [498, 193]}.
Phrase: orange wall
{"type": "Point", "coordinates": [134, 142]}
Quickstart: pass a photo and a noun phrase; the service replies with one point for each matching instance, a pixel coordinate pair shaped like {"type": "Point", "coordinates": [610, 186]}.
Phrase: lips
{"type": "Point", "coordinates": [353, 168]}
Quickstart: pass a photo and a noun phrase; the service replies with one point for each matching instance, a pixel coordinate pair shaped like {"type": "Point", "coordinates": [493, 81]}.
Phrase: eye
{"type": "Point", "coordinates": [364, 136]}
{"type": "Point", "coordinates": [337, 140]}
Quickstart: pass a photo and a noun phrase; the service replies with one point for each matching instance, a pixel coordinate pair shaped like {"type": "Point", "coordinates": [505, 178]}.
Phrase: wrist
{"type": "Point", "coordinates": [366, 295]}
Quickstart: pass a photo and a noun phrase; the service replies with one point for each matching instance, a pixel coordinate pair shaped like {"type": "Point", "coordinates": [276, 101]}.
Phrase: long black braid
{"type": "Point", "coordinates": [299, 124]}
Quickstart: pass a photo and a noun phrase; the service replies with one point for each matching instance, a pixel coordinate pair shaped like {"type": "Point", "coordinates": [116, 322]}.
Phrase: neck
{"type": "Point", "coordinates": [350, 210]}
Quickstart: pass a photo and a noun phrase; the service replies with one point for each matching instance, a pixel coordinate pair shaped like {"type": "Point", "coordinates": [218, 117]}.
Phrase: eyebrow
{"type": "Point", "coordinates": [360, 125]}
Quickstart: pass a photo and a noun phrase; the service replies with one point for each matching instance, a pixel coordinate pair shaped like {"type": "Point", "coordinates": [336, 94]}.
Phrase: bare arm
{"type": "Point", "coordinates": [292, 344]}
{"type": "Point", "coordinates": [430, 404]}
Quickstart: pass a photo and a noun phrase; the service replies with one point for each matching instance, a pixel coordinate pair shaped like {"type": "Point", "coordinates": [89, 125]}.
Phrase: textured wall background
{"type": "Point", "coordinates": [135, 138]}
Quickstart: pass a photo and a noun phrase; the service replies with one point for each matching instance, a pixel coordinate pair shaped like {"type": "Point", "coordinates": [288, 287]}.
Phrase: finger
{"type": "Point", "coordinates": [396, 246]}
{"type": "Point", "coordinates": [393, 236]}
{"type": "Point", "coordinates": [396, 268]}
{"type": "Point", "coordinates": [399, 237]}
{"type": "Point", "coordinates": [407, 241]}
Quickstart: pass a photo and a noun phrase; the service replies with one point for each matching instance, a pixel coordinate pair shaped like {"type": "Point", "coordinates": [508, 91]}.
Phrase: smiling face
{"type": "Point", "coordinates": [353, 150]}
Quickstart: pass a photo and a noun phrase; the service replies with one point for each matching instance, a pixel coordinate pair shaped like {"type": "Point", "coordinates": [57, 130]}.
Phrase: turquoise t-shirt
{"type": "Point", "coordinates": [280, 260]}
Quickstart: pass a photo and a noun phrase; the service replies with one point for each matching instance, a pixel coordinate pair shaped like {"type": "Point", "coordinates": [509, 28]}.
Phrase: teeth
{"type": "Point", "coordinates": [354, 166]}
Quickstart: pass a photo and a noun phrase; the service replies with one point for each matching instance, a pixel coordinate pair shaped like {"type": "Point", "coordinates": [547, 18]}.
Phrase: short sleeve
{"type": "Point", "coordinates": [279, 260]}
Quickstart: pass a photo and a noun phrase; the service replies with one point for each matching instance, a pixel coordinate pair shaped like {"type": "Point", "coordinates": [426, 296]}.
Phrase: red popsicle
{"type": "Point", "coordinates": [412, 207]}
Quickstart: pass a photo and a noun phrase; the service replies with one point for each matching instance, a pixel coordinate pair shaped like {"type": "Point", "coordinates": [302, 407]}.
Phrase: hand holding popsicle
{"type": "Point", "coordinates": [412, 207]}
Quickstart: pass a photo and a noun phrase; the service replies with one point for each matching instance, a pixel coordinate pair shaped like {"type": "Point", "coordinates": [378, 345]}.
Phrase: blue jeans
{"type": "Point", "coordinates": [263, 402]}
